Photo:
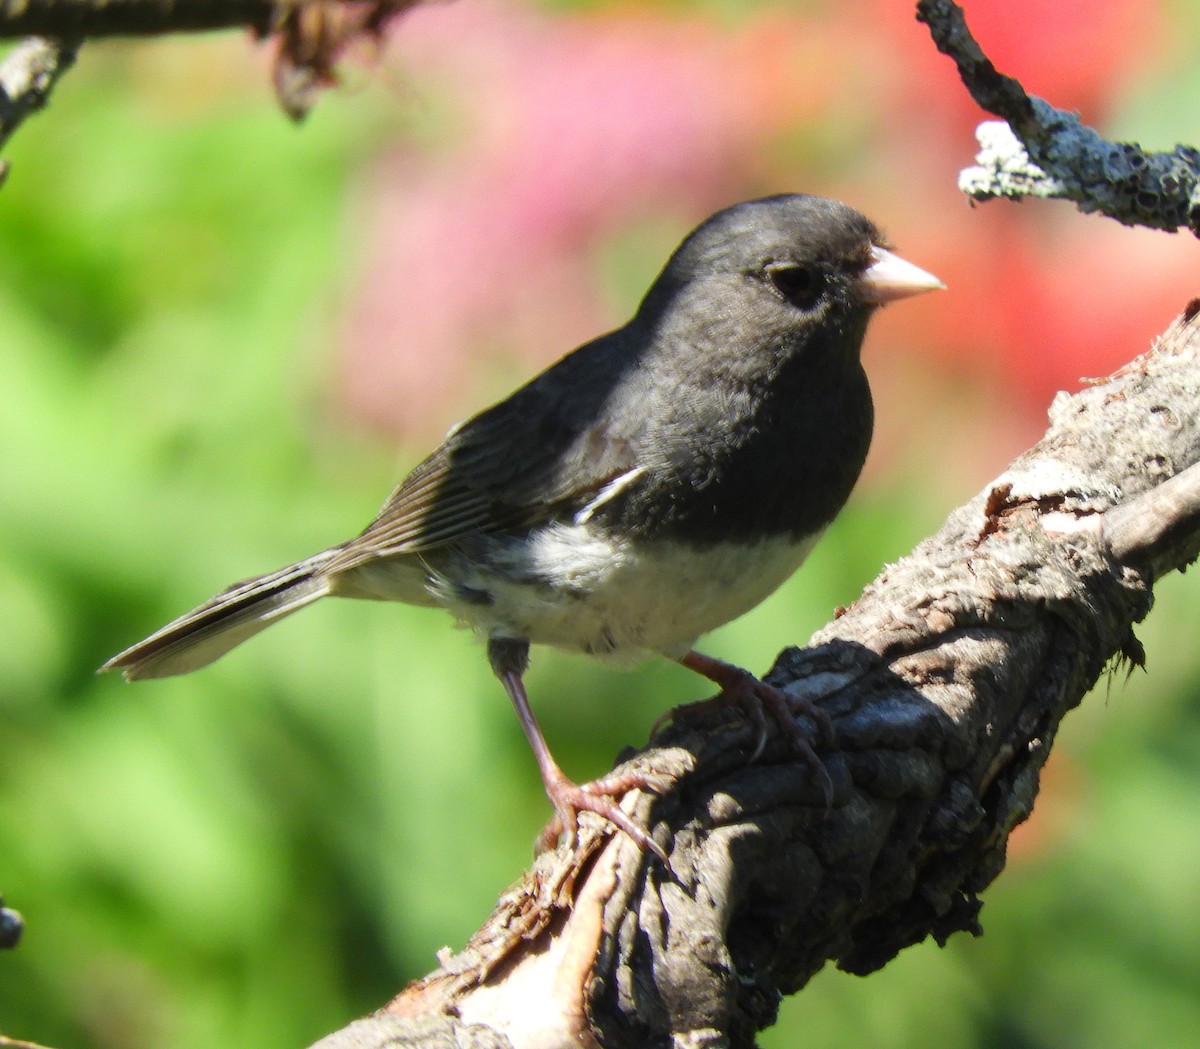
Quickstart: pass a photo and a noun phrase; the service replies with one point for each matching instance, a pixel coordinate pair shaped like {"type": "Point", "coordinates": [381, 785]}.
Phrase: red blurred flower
{"type": "Point", "coordinates": [575, 126]}
{"type": "Point", "coordinates": [567, 129]}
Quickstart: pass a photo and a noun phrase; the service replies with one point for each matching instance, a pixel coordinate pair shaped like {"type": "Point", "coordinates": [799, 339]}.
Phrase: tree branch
{"type": "Point", "coordinates": [27, 76]}
{"type": "Point", "coordinates": [1160, 528]}
{"type": "Point", "coordinates": [311, 34]}
{"type": "Point", "coordinates": [946, 682]}
{"type": "Point", "coordinates": [1041, 151]}
{"type": "Point", "coordinates": [101, 18]}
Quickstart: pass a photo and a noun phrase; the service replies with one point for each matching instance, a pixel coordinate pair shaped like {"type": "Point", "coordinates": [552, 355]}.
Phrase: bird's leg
{"type": "Point", "coordinates": [509, 661]}
{"type": "Point", "coordinates": [758, 700]}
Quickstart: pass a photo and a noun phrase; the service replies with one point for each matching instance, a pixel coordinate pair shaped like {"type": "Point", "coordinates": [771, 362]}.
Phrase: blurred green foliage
{"type": "Point", "coordinates": [254, 855]}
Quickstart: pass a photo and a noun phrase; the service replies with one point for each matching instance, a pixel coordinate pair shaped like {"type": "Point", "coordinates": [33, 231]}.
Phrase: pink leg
{"type": "Point", "coordinates": [509, 661]}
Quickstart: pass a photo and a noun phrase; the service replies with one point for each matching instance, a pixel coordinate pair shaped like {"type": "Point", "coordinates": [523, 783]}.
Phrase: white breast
{"type": "Point", "coordinates": [623, 601]}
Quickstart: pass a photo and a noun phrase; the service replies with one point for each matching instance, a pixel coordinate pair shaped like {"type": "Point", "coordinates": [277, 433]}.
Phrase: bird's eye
{"type": "Point", "coordinates": [800, 285]}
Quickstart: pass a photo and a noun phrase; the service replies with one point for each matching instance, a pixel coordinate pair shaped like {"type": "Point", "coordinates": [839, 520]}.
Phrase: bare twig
{"type": "Point", "coordinates": [1044, 152]}
{"type": "Point", "coordinates": [1161, 527]}
{"type": "Point", "coordinates": [27, 76]}
{"type": "Point", "coordinates": [311, 35]}
{"type": "Point", "coordinates": [89, 19]}
{"type": "Point", "coordinates": [946, 683]}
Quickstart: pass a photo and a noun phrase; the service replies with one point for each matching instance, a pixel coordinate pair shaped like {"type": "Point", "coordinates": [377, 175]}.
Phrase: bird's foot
{"type": "Point", "coordinates": [509, 658]}
{"type": "Point", "coordinates": [761, 702]}
{"type": "Point", "coordinates": [599, 796]}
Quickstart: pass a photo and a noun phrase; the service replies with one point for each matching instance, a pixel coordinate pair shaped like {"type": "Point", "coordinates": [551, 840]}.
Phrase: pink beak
{"type": "Point", "coordinates": [889, 278]}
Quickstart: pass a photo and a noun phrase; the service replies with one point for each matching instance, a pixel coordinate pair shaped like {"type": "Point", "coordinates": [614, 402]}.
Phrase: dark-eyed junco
{"type": "Point", "coordinates": [650, 486]}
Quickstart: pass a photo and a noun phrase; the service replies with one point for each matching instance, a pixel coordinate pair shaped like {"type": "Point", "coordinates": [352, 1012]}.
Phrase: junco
{"type": "Point", "coordinates": [650, 486]}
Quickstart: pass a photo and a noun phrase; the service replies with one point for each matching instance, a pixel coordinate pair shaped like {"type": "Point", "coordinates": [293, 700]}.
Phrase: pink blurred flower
{"type": "Point", "coordinates": [567, 129]}
{"type": "Point", "coordinates": [575, 126]}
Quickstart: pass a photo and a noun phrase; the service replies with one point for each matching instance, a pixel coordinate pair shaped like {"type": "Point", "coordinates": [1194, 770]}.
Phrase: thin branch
{"type": "Point", "coordinates": [946, 682]}
{"type": "Point", "coordinates": [27, 76]}
{"type": "Point", "coordinates": [311, 35]}
{"type": "Point", "coordinates": [1045, 152]}
{"type": "Point", "coordinates": [89, 19]}
{"type": "Point", "coordinates": [1161, 527]}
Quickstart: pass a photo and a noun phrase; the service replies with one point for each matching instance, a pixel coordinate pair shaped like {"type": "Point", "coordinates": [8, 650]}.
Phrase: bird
{"type": "Point", "coordinates": [648, 487]}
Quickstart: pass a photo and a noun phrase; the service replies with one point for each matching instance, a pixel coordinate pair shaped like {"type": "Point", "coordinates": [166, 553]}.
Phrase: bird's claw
{"type": "Point", "coordinates": [598, 796]}
{"type": "Point", "coordinates": [760, 701]}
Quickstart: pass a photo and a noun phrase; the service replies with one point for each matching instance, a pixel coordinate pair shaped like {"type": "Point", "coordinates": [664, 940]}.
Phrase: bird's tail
{"type": "Point", "coordinates": [206, 633]}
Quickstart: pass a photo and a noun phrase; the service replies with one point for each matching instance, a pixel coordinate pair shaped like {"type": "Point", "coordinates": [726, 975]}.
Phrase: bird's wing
{"type": "Point", "coordinates": [550, 448]}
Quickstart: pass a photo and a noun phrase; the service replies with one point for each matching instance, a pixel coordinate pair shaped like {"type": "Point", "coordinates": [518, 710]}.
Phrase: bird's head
{"type": "Point", "coordinates": [782, 264]}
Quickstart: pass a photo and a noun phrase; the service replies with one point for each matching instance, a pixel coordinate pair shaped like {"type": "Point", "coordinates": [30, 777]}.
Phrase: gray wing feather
{"type": "Point", "coordinates": [546, 450]}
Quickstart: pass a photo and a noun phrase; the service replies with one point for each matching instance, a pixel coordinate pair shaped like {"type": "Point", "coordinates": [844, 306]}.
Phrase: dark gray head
{"type": "Point", "coordinates": [781, 260]}
{"type": "Point", "coordinates": [789, 229]}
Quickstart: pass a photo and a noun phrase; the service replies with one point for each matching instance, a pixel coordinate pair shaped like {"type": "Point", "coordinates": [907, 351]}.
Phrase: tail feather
{"type": "Point", "coordinates": [223, 622]}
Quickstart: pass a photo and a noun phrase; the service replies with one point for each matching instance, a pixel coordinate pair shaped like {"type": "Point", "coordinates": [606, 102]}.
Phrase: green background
{"type": "Point", "coordinates": [255, 855]}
